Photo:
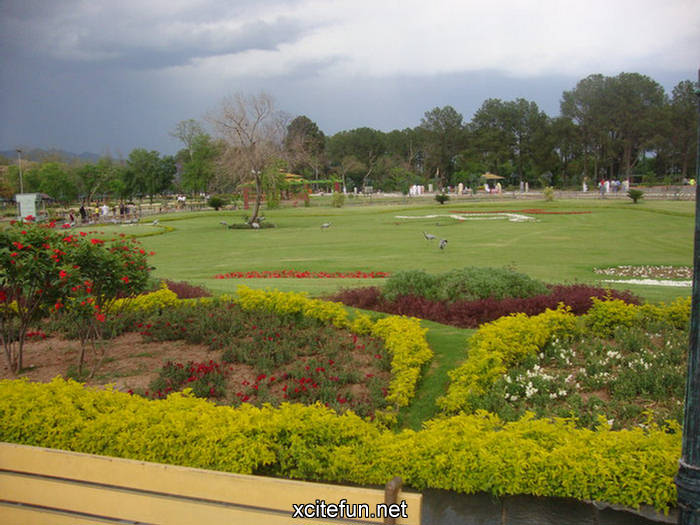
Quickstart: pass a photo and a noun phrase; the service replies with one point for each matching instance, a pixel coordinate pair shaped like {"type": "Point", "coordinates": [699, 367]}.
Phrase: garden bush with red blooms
{"type": "Point", "coordinates": [471, 314]}
{"type": "Point", "coordinates": [296, 274]}
{"type": "Point", "coordinates": [45, 270]}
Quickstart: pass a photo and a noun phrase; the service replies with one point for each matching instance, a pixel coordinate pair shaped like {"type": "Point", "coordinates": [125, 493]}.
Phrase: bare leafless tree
{"type": "Point", "coordinates": [253, 130]}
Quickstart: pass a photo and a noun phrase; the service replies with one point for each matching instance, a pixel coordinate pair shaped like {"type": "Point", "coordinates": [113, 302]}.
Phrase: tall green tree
{"type": "Point", "coordinates": [365, 144]}
{"type": "Point", "coordinates": [683, 127]}
{"type": "Point", "coordinates": [305, 145]}
{"type": "Point", "coordinates": [199, 165]}
{"type": "Point", "coordinates": [56, 181]}
{"type": "Point", "coordinates": [513, 135]}
{"type": "Point", "coordinates": [636, 102]}
{"type": "Point", "coordinates": [149, 174]}
{"type": "Point", "coordinates": [442, 132]}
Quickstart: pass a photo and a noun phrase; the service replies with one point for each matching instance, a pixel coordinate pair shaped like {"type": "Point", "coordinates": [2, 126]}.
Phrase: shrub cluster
{"type": "Point", "coordinates": [465, 284]}
{"type": "Point", "coordinates": [185, 290]}
{"type": "Point", "coordinates": [465, 453]}
{"type": "Point", "coordinates": [507, 342]}
{"type": "Point", "coordinates": [499, 345]}
{"type": "Point", "coordinates": [471, 314]}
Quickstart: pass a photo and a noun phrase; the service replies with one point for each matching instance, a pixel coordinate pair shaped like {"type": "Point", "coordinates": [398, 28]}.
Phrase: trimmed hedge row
{"type": "Point", "coordinates": [471, 314]}
{"type": "Point", "coordinates": [465, 453]}
{"type": "Point", "coordinates": [499, 345]}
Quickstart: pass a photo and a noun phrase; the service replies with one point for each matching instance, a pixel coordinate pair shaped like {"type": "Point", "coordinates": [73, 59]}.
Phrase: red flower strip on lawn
{"type": "Point", "coordinates": [294, 274]}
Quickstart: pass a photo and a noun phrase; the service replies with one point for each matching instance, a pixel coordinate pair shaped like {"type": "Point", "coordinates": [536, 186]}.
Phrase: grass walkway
{"type": "Point", "coordinates": [449, 345]}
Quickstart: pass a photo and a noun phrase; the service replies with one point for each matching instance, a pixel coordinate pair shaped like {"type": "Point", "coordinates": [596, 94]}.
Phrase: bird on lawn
{"type": "Point", "coordinates": [155, 223]}
{"type": "Point", "coordinates": [224, 224]}
{"type": "Point", "coordinates": [325, 225]}
{"type": "Point", "coordinates": [443, 243]}
{"type": "Point", "coordinates": [429, 236]}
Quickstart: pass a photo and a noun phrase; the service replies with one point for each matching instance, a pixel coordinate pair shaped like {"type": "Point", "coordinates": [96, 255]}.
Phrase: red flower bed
{"type": "Point", "coordinates": [296, 274]}
{"type": "Point", "coordinates": [470, 314]}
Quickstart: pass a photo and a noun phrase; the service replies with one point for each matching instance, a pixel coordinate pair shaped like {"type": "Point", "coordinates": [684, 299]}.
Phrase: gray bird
{"type": "Point", "coordinates": [224, 224]}
{"type": "Point", "coordinates": [155, 223]}
{"type": "Point", "coordinates": [443, 243]}
{"type": "Point", "coordinates": [429, 236]}
{"type": "Point", "coordinates": [325, 225]}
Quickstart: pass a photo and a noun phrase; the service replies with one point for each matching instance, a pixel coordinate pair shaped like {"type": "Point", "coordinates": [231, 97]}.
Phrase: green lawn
{"type": "Point", "coordinates": [556, 248]}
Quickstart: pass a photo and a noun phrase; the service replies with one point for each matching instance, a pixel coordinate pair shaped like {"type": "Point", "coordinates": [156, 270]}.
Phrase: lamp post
{"type": "Point", "coordinates": [688, 477]}
{"type": "Point", "coordinates": [19, 164]}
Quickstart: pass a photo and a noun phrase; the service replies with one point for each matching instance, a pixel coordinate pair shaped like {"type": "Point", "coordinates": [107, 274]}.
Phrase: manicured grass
{"type": "Point", "coordinates": [450, 347]}
{"type": "Point", "coordinates": [556, 248]}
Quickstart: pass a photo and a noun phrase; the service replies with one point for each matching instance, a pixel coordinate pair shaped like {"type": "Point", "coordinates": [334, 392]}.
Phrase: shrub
{"type": "Point", "coordinates": [442, 198]}
{"type": "Point", "coordinates": [185, 290]}
{"type": "Point", "coordinates": [411, 282]}
{"type": "Point", "coordinates": [217, 202]}
{"type": "Point", "coordinates": [465, 284]}
{"type": "Point", "coordinates": [499, 345]}
{"type": "Point", "coordinates": [605, 316]}
{"type": "Point", "coordinates": [338, 199]}
{"type": "Point", "coordinates": [635, 195]}
{"type": "Point", "coordinates": [465, 453]}
{"type": "Point", "coordinates": [548, 193]}
{"type": "Point", "coordinates": [471, 314]}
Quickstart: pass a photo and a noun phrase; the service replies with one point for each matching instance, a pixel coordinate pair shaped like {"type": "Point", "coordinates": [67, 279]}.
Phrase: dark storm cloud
{"type": "Point", "coordinates": [113, 75]}
{"type": "Point", "coordinates": [85, 33]}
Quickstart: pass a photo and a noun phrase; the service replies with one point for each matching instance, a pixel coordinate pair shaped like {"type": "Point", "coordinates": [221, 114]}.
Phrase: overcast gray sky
{"type": "Point", "coordinates": [106, 77]}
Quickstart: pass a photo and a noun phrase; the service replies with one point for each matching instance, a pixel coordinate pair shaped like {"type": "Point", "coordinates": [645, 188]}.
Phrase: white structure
{"type": "Point", "coordinates": [28, 204]}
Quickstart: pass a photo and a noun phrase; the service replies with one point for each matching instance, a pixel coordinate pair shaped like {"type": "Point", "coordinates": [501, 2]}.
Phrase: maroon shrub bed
{"type": "Point", "coordinates": [470, 314]}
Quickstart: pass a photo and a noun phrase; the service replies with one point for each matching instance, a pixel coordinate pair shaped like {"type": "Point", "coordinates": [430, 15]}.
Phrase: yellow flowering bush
{"type": "Point", "coordinates": [292, 303]}
{"type": "Point", "coordinates": [151, 302]}
{"type": "Point", "coordinates": [498, 345]}
{"type": "Point", "coordinates": [465, 453]}
{"type": "Point", "coordinates": [405, 339]}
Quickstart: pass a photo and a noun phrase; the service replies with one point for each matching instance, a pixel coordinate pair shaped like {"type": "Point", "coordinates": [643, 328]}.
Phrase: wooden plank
{"type": "Point", "coordinates": [16, 514]}
{"type": "Point", "coordinates": [201, 490]}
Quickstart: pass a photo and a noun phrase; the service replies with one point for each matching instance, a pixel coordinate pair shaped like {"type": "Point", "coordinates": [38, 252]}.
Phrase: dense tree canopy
{"type": "Point", "coordinates": [608, 127]}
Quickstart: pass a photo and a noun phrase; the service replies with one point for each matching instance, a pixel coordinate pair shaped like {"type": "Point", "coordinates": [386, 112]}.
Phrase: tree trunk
{"type": "Point", "coordinates": [258, 199]}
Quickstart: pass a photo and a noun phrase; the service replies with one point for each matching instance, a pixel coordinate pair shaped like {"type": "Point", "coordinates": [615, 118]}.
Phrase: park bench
{"type": "Point", "coordinates": [47, 486]}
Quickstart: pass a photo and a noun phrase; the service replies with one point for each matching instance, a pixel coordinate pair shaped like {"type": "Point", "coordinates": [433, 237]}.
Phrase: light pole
{"type": "Point", "coordinates": [19, 163]}
{"type": "Point", "coordinates": [688, 477]}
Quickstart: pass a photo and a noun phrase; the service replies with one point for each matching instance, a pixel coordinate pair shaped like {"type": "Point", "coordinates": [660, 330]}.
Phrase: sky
{"type": "Point", "coordinates": [106, 77]}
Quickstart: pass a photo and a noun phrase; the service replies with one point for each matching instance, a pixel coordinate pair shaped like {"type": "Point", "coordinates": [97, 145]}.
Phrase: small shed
{"type": "Point", "coordinates": [31, 204]}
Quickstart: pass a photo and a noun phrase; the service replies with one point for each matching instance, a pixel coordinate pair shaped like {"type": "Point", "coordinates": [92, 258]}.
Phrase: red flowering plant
{"type": "Point", "coordinates": [31, 260]}
{"type": "Point", "coordinates": [98, 275]}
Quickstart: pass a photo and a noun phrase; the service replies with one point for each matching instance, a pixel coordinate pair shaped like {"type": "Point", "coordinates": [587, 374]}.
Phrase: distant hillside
{"type": "Point", "coordinates": [39, 155]}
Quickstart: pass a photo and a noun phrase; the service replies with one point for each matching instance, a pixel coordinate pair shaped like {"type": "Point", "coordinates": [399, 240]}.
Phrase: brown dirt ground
{"type": "Point", "coordinates": [132, 364]}
{"type": "Point", "coordinates": [129, 364]}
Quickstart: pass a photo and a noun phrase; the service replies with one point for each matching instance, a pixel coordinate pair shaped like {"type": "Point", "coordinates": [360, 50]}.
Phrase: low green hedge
{"type": "Point", "coordinates": [465, 453]}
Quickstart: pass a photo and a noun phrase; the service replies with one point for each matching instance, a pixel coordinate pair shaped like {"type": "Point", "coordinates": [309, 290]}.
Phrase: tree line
{"type": "Point", "coordinates": [609, 127]}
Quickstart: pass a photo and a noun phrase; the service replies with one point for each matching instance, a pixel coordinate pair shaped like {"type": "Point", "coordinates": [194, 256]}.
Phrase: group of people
{"type": "Point", "coordinates": [90, 214]}
{"type": "Point", "coordinates": [612, 186]}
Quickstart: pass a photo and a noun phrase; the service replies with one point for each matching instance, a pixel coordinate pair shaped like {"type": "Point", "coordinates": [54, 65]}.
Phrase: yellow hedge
{"type": "Point", "coordinates": [403, 337]}
{"type": "Point", "coordinates": [466, 453]}
{"type": "Point", "coordinates": [497, 346]}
